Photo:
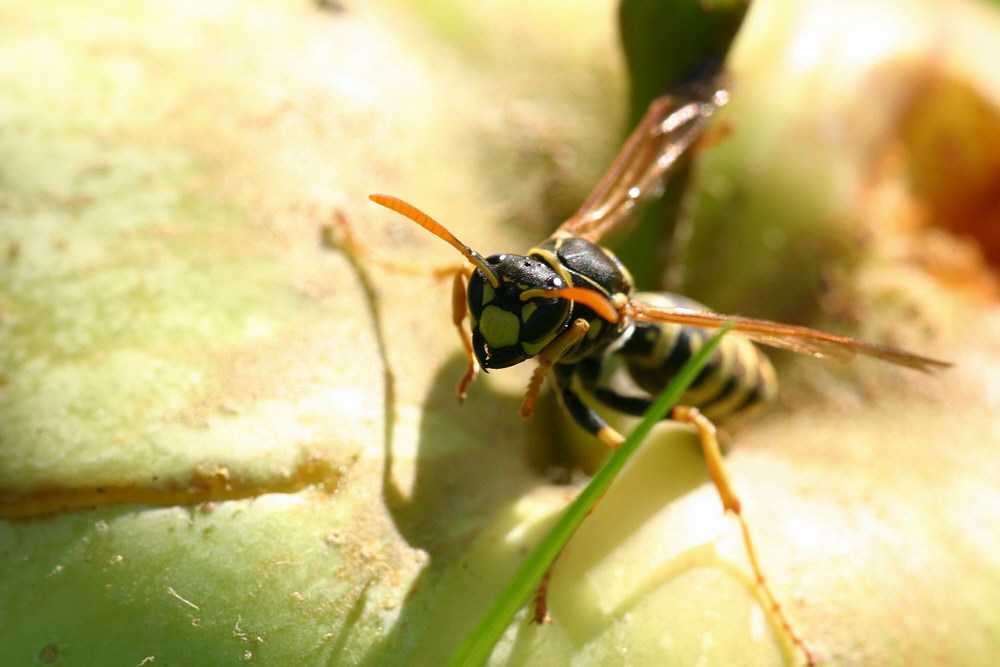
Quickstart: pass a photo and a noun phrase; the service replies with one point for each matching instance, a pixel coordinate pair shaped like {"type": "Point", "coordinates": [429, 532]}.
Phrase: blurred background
{"type": "Point", "coordinates": [224, 438]}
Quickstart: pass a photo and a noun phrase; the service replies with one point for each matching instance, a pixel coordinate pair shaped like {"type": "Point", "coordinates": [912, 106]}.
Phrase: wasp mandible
{"type": "Point", "coordinates": [570, 303]}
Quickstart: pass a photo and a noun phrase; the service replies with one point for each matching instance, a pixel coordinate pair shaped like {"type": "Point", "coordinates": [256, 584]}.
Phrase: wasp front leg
{"type": "Point", "coordinates": [459, 310]}
{"type": "Point", "coordinates": [547, 358]}
{"type": "Point", "coordinates": [593, 423]}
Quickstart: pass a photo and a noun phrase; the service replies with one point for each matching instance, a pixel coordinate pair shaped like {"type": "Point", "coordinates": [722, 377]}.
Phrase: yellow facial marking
{"type": "Point", "coordinates": [595, 328]}
{"type": "Point", "coordinates": [499, 327]}
{"type": "Point", "coordinates": [527, 310]}
{"type": "Point", "coordinates": [531, 349]}
{"type": "Point", "coordinates": [488, 294]}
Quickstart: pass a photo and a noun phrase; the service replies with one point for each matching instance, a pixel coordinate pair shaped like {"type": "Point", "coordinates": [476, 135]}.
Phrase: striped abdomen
{"type": "Point", "coordinates": [736, 378]}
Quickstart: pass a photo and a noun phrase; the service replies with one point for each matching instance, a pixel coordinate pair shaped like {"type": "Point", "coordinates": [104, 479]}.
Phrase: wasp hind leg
{"type": "Point", "coordinates": [594, 424]}
{"type": "Point", "coordinates": [720, 478]}
{"type": "Point", "coordinates": [731, 503]}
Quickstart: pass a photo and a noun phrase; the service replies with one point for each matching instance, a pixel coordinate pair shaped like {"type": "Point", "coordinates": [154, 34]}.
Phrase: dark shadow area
{"type": "Point", "coordinates": [465, 454]}
{"type": "Point", "coordinates": [470, 466]}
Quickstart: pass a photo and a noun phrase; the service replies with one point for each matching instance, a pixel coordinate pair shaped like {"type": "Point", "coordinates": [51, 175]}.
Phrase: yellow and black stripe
{"type": "Point", "coordinates": [736, 378]}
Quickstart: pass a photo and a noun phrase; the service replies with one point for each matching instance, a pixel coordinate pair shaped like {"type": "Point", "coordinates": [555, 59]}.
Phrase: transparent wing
{"type": "Point", "coordinates": [786, 336]}
{"type": "Point", "coordinates": [671, 125]}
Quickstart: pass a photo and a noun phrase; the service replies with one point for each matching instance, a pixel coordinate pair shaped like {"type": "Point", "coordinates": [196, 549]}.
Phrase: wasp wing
{"type": "Point", "coordinates": [786, 336]}
{"type": "Point", "coordinates": [671, 125]}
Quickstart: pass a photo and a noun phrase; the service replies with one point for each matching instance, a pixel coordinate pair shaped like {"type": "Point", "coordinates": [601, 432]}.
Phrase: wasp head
{"type": "Point", "coordinates": [506, 328]}
{"type": "Point", "coordinates": [513, 305]}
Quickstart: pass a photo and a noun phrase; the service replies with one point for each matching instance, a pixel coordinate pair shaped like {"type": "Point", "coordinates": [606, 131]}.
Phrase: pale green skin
{"type": "Point", "coordinates": [167, 308]}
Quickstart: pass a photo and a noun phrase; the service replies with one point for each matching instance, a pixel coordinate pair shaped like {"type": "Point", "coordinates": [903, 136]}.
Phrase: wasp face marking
{"type": "Point", "coordinates": [505, 329]}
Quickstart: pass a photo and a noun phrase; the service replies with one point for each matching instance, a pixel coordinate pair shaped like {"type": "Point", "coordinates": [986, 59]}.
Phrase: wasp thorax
{"type": "Point", "coordinates": [507, 330]}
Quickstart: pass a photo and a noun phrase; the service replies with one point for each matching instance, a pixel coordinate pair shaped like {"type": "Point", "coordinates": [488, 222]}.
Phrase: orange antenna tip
{"type": "Point", "coordinates": [437, 229]}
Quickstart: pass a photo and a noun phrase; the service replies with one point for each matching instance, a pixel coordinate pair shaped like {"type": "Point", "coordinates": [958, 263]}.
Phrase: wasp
{"type": "Point", "coordinates": [571, 304]}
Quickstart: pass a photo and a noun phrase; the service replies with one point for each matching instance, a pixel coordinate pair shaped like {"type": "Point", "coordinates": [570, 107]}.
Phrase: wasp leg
{"type": "Point", "coordinates": [549, 355]}
{"type": "Point", "coordinates": [458, 312]}
{"type": "Point", "coordinates": [588, 419]}
{"type": "Point", "coordinates": [594, 424]}
{"type": "Point", "coordinates": [630, 405]}
{"type": "Point", "coordinates": [540, 600]}
{"type": "Point", "coordinates": [349, 242]}
{"type": "Point", "coordinates": [731, 503]}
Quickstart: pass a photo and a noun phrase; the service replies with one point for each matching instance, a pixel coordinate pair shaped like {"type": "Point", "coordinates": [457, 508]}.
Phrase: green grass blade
{"type": "Point", "coordinates": [479, 643]}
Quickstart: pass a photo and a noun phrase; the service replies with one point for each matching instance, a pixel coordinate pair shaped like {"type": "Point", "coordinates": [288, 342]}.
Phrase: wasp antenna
{"type": "Point", "coordinates": [437, 229]}
{"type": "Point", "coordinates": [597, 302]}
